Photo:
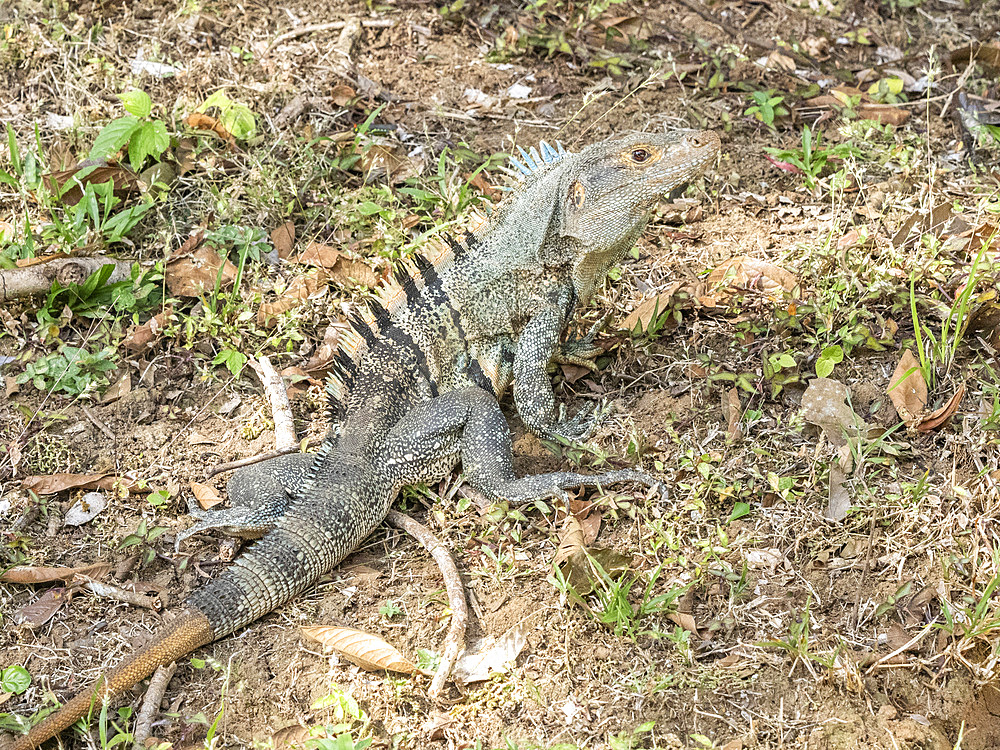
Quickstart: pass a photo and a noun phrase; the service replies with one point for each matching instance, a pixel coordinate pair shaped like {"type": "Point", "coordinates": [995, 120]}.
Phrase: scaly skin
{"type": "Point", "coordinates": [420, 381]}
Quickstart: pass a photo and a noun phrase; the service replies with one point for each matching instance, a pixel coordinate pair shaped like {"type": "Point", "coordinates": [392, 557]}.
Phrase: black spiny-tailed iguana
{"type": "Point", "coordinates": [418, 381]}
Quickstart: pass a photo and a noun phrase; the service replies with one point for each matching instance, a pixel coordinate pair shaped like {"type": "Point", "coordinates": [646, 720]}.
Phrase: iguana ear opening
{"type": "Point", "coordinates": [576, 198]}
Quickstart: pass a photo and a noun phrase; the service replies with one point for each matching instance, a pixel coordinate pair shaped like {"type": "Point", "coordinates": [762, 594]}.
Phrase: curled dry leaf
{"type": "Point", "coordinates": [489, 655]}
{"type": "Point", "coordinates": [201, 121]}
{"type": "Point", "coordinates": [908, 390]}
{"type": "Point", "coordinates": [578, 563]}
{"type": "Point", "coordinates": [206, 495]}
{"type": "Point", "coordinates": [91, 173]}
{"type": "Point", "coordinates": [358, 647]}
{"type": "Point", "coordinates": [300, 288]}
{"type": "Point", "coordinates": [145, 336]}
{"type": "Point", "coordinates": [939, 416]}
{"type": "Point", "coordinates": [29, 574]}
{"type": "Point", "coordinates": [318, 254]}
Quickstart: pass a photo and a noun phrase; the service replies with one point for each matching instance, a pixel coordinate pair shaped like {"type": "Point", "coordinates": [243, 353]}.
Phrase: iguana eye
{"type": "Point", "coordinates": [639, 155]}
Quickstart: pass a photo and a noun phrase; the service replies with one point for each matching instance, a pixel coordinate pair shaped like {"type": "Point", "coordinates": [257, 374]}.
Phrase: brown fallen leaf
{"type": "Point", "coordinates": [751, 273]}
{"type": "Point", "coordinates": [119, 388]}
{"type": "Point", "coordinates": [987, 55]}
{"type": "Point", "coordinates": [317, 254]}
{"type": "Point", "coordinates": [580, 565]}
{"type": "Point", "coordinates": [353, 273]}
{"type": "Point", "coordinates": [201, 121]}
{"type": "Point", "coordinates": [49, 484]}
{"type": "Point", "coordinates": [884, 114]}
{"type": "Point", "coordinates": [908, 390]}
{"type": "Point", "coordinates": [283, 239]}
{"type": "Point", "coordinates": [300, 288]}
{"type": "Point", "coordinates": [489, 655]}
{"type": "Point", "coordinates": [685, 621]}
{"type": "Point", "coordinates": [91, 173]}
{"type": "Point", "coordinates": [197, 272]}
{"type": "Point", "coordinates": [824, 405]}
{"type": "Point", "coordinates": [40, 611]}
{"type": "Point", "coordinates": [358, 647]}
{"type": "Point", "coordinates": [142, 337]}
{"type": "Point", "coordinates": [938, 417]}
{"type": "Point", "coordinates": [732, 411]}
{"type": "Point", "coordinates": [342, 94]}
{"type": "Point", "coordinates": [31, 574]}
{"type": "Point", "coordinates": [206, 495]}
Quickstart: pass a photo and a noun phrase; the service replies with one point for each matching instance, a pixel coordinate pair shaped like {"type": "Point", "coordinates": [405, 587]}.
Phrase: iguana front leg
{"type": "Point", "coordinates": [533, 395]}
{"type": "Point", "coordinates": [581, 350]}
{"type": "Point", "coordinates": [468, 423]}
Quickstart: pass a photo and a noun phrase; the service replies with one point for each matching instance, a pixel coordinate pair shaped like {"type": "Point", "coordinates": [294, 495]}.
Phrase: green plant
{"type": "Point", "coordinates": [830, 356]}
{"type": "Point", "coordinates": [812, 159]}
{"type": "Point", "coordinates": [145, 136]}
{"type": "Point", "coordinates": [936, 354]}
{"type": "Point", "coordinates": [93, 298]}
{"type": "Point", "coordinates": [766, 107]}
{"type": "Point", "coordinates": [238, 119]}
{"type": "Point", "coordinates": [72, 370]}
{"type": "Point", "coordinates": [390, 609]}
{"type": "Point", "coordinates": [143, 538]}
{"type": "Point", "coordinates": [14, 679]}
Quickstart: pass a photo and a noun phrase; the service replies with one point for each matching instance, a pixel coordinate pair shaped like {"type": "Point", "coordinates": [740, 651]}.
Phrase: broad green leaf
{"type": "Point", "coordinates": [136, 103]}
{"type": "Point", "coordinates": [824, 367]}
{"type": "Point", "coordinates": [239, 121]}
{"type": "Point", "coordinates": [113, 136]}
{"type": "Point", "coordinates": [150, 139]}
{"type": "Point", "coordinates": [15, 679]}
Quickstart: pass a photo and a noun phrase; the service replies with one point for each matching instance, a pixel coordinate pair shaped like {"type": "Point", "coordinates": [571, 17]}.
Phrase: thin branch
{"type": "Point", "coordinates": [284, 425]}
{"type": "Point", "coordinates": [370, 23]}
{"type": "Point", "coordinates": [241, 462]}
{"type": "Point", "coordinates": [454, 642]}
{"type": "Point", "coordinates": [151, 704]}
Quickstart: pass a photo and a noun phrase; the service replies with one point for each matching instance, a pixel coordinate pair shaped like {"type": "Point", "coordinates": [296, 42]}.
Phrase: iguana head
{"type": "Point", "coordinates": [607, 194]}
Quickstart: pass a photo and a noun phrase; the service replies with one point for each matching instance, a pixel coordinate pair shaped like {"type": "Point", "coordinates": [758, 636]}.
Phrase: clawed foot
{"type": "Point", "coordinates": [579, 427]}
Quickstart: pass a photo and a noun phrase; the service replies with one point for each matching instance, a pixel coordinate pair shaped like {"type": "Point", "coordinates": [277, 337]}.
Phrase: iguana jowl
{"type": "Point", "coordinates": [418, 382]}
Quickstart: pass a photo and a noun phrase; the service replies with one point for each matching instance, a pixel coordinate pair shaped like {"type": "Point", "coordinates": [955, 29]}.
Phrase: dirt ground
{"type": "Point", "coordinates": [790, 630]}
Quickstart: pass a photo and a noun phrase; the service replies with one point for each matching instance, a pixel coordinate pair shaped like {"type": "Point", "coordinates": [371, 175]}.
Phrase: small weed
{"type": "Point", "coordinates": [238, 119]}
{"type": "Point", "coordinates": [766, 108]}
{"type": "Point", "coordinates": [72, 370]}
{"type": "Point", "coordinates": [390, 609]}
{"type": "Point", "coordinates": [812, 159]}
{"type": "Point", "coordinates": [143, 538]}
{"type": "Point", "coordinates": [146, 138]}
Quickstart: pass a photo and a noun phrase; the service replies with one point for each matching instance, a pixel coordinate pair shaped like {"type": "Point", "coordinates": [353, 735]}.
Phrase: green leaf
{"type": "Point", "coordinates": [833, 353]}
{"type": "Point", "coordinates": [113, 136]}
{"type": "Point", "coordinates": [15, 679]}
{"type": "Point", "coordinates": [740, 509]}
{"type": "Point", "coordinates": [136, 103]}
{"type": "Point", "coordinates": [368, 208]}
{"type": "Point", "coordinates": [824, 367]}
{"type": "Point", "coordinates": [240, 121]}
{"type": "Point", "coordinates": [150, 139]}
{"type": "Point", "coordinates": [786, 361]}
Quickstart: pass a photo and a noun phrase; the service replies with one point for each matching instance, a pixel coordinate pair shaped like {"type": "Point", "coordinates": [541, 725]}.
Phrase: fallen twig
{"type": "Point", "coordinates": [454, 642]}
{"type": "Point", "coordinates": [241, 462]}
{"type": "Point", "coordinates": [370, 23]}
{"type": "Point", "coordinates": [108, 591]}
{"type": "Point", "coordinates": [38, 278]}
{"type": "Point", "coordinates": [151, 704]}
{"type": "Point", "coordinates": [284, 425]}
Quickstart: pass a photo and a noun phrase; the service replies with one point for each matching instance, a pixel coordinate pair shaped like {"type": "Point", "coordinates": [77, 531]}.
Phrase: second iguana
{"type": "Point", "coordinates": [418, 384]}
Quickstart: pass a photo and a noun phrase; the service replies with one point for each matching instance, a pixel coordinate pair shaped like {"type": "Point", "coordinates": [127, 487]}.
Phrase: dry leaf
{"type": "Point", "coordinates": [353, 273]}
{"type": "Point", "coordinates": [570, 541]}
{"type": "Point", "coordinates": [29, 574]}
{"type": "Point", "coordinates": [201, 121]}
{"type": "Point", "coordinates": [206, 495]}
{"type": "Point", "coordinates": [732, 411]}
{"type": "Point", "coordinates": [987, 55]}
{"type": "Point", "coordinates": [323, 256]}
{"type": "Point", "coordinates": [301, 288]}
{"type": "Point", "coordinates": [283, 239]}
{"type": "Point", "coordinates": [119, 388]}
{"type": "Point", "coordinates": [685, 621]}
{"type": "Point", "coordinates": [49, 484]}
{"type": "Point", "coordinates": [908, 390]}
{"type": "Point", "coordinates": [341, 94]}
{"type": "Point", "coordinates": [885, 114]}
{"type": "Point", "coordinates": [839, 499]}
{"type": "Point", "coordinates": [939, 416]}
{"type": "Point", "coordinates": [125, 181]}
{"type": "Point", "coordinates": [85, 509]}
{"type": "Point", "coordinates": [364, 649]}
{"type": "Point", "coordinates": [489, 655]}
{"type": "Point", "coordinates": [194, 274]}
{"type": "Point", "coordinates": [824, 405]}
{"type": "Point", "coordinates": [144, 336]}
{"type": "Point", "coordinates": [750, 273]}
{"type": "Point", "coordinates": [41, 610]}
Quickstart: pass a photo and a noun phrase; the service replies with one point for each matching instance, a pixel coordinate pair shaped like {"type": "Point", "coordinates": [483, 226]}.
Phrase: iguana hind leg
{"type": "Point", "coordinates": [468, 424]}
{"type": "Point", "coordinates": [258, 497]}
